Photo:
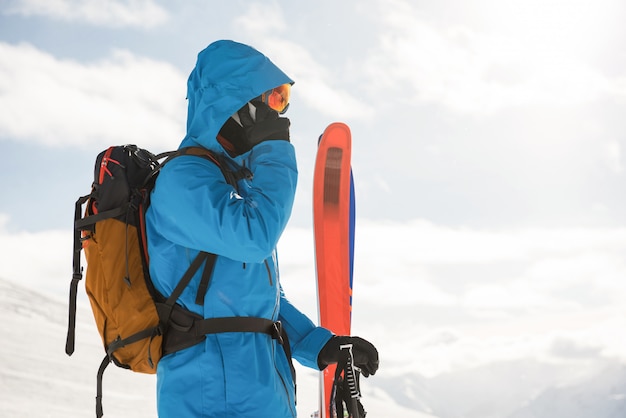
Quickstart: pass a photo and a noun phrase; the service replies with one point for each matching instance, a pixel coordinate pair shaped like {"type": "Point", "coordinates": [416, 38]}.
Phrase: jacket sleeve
{"type": "Point", "coordinates": [305, 338]}
{"type": "Point", "coordinates": [195, 207]}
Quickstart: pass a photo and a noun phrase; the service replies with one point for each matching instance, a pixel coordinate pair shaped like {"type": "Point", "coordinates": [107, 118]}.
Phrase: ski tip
{"type": "Point", "coordinates": [337, 125]}
{"type": "Point", "coordinates": [337, 132]}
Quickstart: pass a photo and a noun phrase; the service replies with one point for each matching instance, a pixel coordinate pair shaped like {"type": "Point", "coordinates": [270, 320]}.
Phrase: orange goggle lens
{"type": "Point", "coordinates": [278, 98]}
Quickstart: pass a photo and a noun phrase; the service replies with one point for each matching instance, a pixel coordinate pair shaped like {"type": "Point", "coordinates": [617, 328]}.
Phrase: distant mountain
{"type": "Point", "coordinates": [516, 389]}
{"type": "Point", "coordinates": [411, 392]}
{"type": "Point", "coordinates": [601, 396]}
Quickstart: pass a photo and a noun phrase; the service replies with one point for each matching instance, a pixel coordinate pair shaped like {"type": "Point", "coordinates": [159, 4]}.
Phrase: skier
{"type": "Point", "coordinates": [234, 96]}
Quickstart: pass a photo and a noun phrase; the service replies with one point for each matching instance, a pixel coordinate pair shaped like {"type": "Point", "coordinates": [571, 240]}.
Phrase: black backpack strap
{"type": "Point", "coordinates": [187, 329]}
{"type": "Point", "coordinates": [234, 324]}
{"type": "Point", "coordinates": [116, 345]}
{"type": "Point", "coordinates": [230, 170]}
{"type": "Point", "coordinates": [105, 362]}
{"type": "Point", "coordinates": [283, 339]}
{"type": "Point", "coordinates": [165, 309]}
{"type": "Point", "coordinates": [81, 224]}
{"type": "Point", "coordinates": [206, 278]}
{"type": "Point", "coordinates": [76, 277]}
{"type": "Point", "coordinates": [138, 336]}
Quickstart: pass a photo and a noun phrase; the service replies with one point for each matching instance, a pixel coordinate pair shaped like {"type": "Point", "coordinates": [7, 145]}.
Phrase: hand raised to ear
{"type": "Point", "coordinates": [267, 124]}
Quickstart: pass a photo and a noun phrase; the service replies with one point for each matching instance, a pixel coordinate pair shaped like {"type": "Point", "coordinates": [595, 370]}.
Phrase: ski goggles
{"type": "Point", "coordinates": [277, 98]}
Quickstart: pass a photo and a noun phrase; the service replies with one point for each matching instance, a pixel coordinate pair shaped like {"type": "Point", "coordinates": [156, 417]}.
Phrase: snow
{"type": "Point", "coordinates": [37, 378]}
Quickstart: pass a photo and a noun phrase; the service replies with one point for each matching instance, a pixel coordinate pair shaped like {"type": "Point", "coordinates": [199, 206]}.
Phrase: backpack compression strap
{"type": "Point", "coordinates": [76, 277]}
{"type": "Point", "coordinates": [81, 224]}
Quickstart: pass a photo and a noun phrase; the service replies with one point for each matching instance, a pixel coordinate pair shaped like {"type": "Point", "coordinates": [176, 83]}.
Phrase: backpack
{"type": "Point", "coordinates": [137, 324]}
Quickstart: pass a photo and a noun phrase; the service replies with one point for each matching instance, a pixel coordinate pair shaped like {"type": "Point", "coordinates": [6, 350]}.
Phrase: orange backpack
{"type": "Point", "coordinates": [137, 324]}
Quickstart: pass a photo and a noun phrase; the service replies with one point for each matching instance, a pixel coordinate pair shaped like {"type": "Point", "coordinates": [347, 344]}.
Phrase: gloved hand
{"type": "Point", "coordinates": [365, 355]}
{"type": "Point", "coordinates": [266, 125]}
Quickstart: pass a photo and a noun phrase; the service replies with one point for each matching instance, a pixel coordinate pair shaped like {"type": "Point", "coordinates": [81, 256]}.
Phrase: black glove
{"type": "Point", "coordinates": [364, 354]}
{"type": "Point", "coordinates": [267, 125]}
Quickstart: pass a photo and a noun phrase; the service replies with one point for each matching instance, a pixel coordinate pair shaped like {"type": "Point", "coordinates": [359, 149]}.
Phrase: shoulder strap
{"type": "Point", "coordinates": [206, 278]}
{"type": "Point", "coordinates": [165, 309]}
{"type": "Point", "coordinates": [231, 171]}
{"type": "Point", "coordinates": [232, 176]}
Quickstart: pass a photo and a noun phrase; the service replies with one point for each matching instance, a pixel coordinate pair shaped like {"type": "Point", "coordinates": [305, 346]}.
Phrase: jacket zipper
{"type": "Point", "coordinates": [282, 380]}
{"type": "Point", "coordinates": [269, 272]}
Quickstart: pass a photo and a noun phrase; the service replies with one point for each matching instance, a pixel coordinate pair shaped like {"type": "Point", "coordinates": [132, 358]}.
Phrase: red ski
{"type": "Point", "coordinates": [333, 218]}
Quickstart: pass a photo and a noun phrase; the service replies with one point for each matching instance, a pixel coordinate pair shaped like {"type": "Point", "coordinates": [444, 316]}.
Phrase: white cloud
{"type": "Point", "coordinates": [120, 99]}
{"type": "Point", "coordinates": [567, 348]}
{"type": "Point", "coordinates": [613, 156]}
{"type": "Point", "coordinates": [421, 241]}
{"type": "Point", "coordinates": [266, 18]}
{"type": "Point", "coordinates": [516, 57]}
{"type": "Point", "coordinates": [38, 260]}
{"type": "Point", "coordinates": [318, 85]}
{"type": "Point", "coordinates": [507, 296]}
{"type": "Point", "coordinates": [109, 13]}
{"type": "Point", "coordinates": [404, 291]}
{"type": "Point", "coordinates": [534, 270]}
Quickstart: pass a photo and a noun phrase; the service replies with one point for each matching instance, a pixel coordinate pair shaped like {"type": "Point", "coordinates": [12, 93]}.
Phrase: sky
{"type": "Point", "coordinates": [488, 155]}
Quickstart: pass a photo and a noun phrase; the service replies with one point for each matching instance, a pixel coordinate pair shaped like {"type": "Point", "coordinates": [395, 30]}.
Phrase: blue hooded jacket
{"type": "Point", "coordinates": [194, 209]}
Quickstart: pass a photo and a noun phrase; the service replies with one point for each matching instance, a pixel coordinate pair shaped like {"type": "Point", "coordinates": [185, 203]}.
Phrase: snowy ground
{"type": "Point", "coordinates": [37, 379]}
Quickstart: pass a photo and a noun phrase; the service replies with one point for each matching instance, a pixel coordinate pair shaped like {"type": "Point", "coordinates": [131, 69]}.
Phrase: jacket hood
{"type": "Point", "coordinates": [226, 76]}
